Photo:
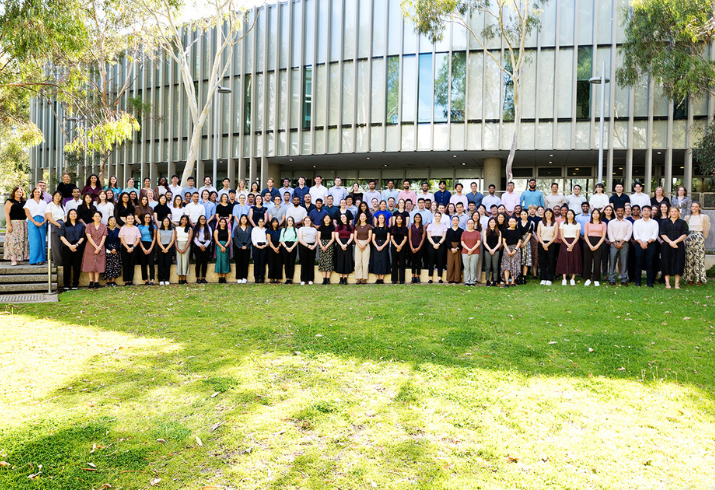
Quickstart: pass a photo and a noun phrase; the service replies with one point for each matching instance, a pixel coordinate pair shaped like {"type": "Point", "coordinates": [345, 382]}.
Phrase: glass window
{"type": "Point", "coordinates": [258, 126]}
{"type": "Point", "coordinates": [603, 55]}
{"type": "Point", "coordinates": [566, 22]}
{"type": "Point", "coordinates": [424, 93]}
{"type": "Point", "coordinates": [603, 22]}
{"type": "Point", "coordinates": [378, 91]}
{"type": "Point", "coordinates": [260, 37]}
{"type": "Point", "coordinates": [395, 22]}
{"type": "Point", "coordinates": [548, 24]}
{"type": "Point", "coordinates": [350, 18]}
{"type": "Point", "coordinates": [307, 96]}
{"type": "Point", "coordinates": [348, 92]}
{"type": "Point", "coordinates": [680, 111]}
{"type": "Point", "coordinates": [583, 86]}
{"type": "Point", "coordinates": [295, 98]}
{"type": "Point", "coordinates": [493, 82]}
{"type": "Point", "coordinates": [459, 37]}
{"type": "Point", "coordinates": [410, 39]}
{"type": "Point", "coordinates": [362, 92]}
{"type": "Point", "coordinates": [309, 36]}
{"type": "Point", "coordinates": [476, 75]}
{"type": "Point", "coordinates": [393, 89]}
{"type": "Point", "coordinates": [334, 115]}
{"type": "Point", "coordinates": [660, 103]}
{"type": "Point", "coordinates": [297, 32]}
{"type": "Point", "coordinates": [248, 40]}
{"type": "Point", "coordinates": [409, 88]}
{"type": "Point", "coordinates": [283, 100]}
{"type": "Point", "coordinates": [237, 114]}
{"type": "Point", "coordinates": [364, 28]}
{"type": "Point", "coordinates": [378, 27]}
{"type": "Point", "coordinates": [285, 40]}
{"type": "Point", "coordinates": [321, 92]}
{"type": "Point", "coordinates": [459, 82]}
{"type": "Point", "coordinates": [528, 86]}
{"type": "Point", "coordinates": [621, 104]}
{"type": "Point", "coordinates": [585, 21]}
{"type": "Point", "coordinates": [336, 16]}
{"type": "Point", "coordinates": [564, 101]}
{"type": "Point", "coordinates": [247, 105]}
{"type": "Point", "coordinates": [271, 101]}
{"type": "Point", "coordinates": [271, 37]}
{"type": "Point", "coordinates": [545, 96]}
{"type": "Point", "coordinates": [441, 87]}
{"type": "Point", "coordinates": [323, 30]}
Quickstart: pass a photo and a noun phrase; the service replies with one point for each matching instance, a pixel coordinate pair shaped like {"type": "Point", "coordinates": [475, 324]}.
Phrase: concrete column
{"type": "Point", "coordinates": [492, 172]}
{"type": "Point", "coordinates": [231, 172]}
{"type": "Point", "coordinates": [170, 169]}
{"type": "Point", "coordinates": [269, 169]}
{"type": "Point", "coordinates": [242, 171]}
{"type": "Point", "coordinates": [200, 173]}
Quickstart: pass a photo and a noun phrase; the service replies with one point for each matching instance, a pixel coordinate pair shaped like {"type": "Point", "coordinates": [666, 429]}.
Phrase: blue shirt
{"type": "Point", "coordinates": [426, 216]}
{"type": "Point", "coordinates": [338, 193]}
{"type": "Point", "coordinates": [239, 210]}
{"type": "Point", "coordinates": [289, 190]}
{"type": "Point", "coordinates": [387, 214]}
{"type": "Point", "coordinates": [582, 219]}
{"type": "Point", "coordinates": [274, 192]}
{"type": "Point", "coordinates": [529, 197]}
{"type": "Point", "coordinates": [188, 189]}
{"type": "Point", "coordinates": [316, 216]}
{"type": "Point", "coordinates": [210, 208]}
{"type": "Point", "coordinates": [442, 197]}
{"type": "Point", "coordinates": [475, 197]}
{"type": "Point", "coordinates": [301, 192]}
{"type": "Point", "coordinates": [145, 233]}
{"type": "Point", "coordinates": [387, 194]}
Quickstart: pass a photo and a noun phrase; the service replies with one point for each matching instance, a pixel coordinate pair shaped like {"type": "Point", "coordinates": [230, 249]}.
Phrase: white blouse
{"type": "Point", "coordinates": [36, 208]}
{"type": "Point", "coordinates": [570, 231]}
{"type": "Point", "coordinates": [106, 210]}
{"type": "Point", "coordinates": [57, 212]}
{"type": "Point", "coordinates": [258, 235]}
{"type": "Point", "coordinates": [176, 213]}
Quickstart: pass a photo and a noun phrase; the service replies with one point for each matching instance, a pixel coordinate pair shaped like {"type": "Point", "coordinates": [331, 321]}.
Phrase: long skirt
{"type": "Point", "coordinates": [112, 266]}
{"type": "Point", "coordinates": [569, 262]}
{"type": "Point", "coordinates": [344, 263]}
{"type": "Point", "coordinates": [380, 260]}
{"type": "Point", "coordinates": [511, 264]}
{"type": "Point", "coordinates": [56, 242]}
{"type": "Point", "coordinates": [16, 243]}
{"type": "Point", "coordinates": [223, 266]}
{"type": "Point", "coordinates": [694, 258]}
{"type": "Point", "coordinates": [325, 259]}
{"type": "Point", "coordinates": [37, 236]}
{"type": "Point", "coordinates": [534, 252]}
{"type": "Point", "coordinates": [526, 252]}
{"type": "Point", "coordinates": [454, 264]}
{"type": "Point", "coordinates": [672, 260]}
{"type": "Point", "coordinates": [182, 259]}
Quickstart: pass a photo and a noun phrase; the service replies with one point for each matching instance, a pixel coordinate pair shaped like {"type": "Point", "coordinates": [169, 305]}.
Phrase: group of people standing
{"type": "Point", "coordinates": [106, 231]}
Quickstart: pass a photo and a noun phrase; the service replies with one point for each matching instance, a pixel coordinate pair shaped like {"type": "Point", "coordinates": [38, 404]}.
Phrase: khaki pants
{"type": "Point", "coordinates": [362, 260]}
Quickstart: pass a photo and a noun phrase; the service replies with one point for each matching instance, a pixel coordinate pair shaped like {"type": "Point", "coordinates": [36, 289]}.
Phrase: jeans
{"type": "Point", "coordinates": [613, 262]}
{"type": "Point", "coordinates": [645, 260]}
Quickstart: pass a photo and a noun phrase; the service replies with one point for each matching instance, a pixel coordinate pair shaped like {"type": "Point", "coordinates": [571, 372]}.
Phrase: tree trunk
{"type": "Point", "coordinates": [191, 157]}
{"type": "Point", "coordinates": [517, 123]}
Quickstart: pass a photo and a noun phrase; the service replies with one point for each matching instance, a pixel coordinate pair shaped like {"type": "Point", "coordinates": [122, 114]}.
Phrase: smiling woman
{"type": "Point", "coordinates": [390, 387]}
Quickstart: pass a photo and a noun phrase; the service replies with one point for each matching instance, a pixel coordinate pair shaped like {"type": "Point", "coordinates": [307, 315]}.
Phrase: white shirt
{"type": "Point", "coordinates": [36, 208]}
{"type": "Point", "coordinates": [175, 190]}
{"type": "Point", "coordinates": [425, 196]}
{"type": "Point", "coordinates": [368, 197]}
{"type": "Point", "coordinates": [258, 235]}
{"type": "Point", "coordinates": [57, 212]}
{"type": "Point", "coordinates": [72, 204]}
{"type": "Point", "coordinates": [194, 211]}
{"type": "Point", "coordinates": [575, 202]}
{"type": "Point", "coordinates": [490, 201]}
{"type": "Point", "coordinates": [598, 201]}
{"type": "Point", "coordinates": [318, 193]}
{"type": "Point", "coordinates": [641, 199]}
{"type": "Point", "coordinates": [298, 214]}
{"type": "Point", "coordinates": [645, 230]}
{"type": "Point", "coordinates": [206, 188]}
{"type": "Point", "coordinates": [107, 210]}
{"type": "Point", "coordinates": [176, 213]}
{"type": "Point", "coordinates": [221, 193]}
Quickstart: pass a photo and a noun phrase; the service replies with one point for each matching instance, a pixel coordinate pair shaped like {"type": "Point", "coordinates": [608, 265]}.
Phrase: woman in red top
{"type": "Point", "coordinates": [471, 243]}
{"type": "Point", "coordinates": [595, 235]}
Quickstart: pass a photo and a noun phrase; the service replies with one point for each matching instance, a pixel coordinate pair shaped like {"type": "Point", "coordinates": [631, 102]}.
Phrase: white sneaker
{"type": "Point", "coordinates": [310, 283]}
{"type": "Point", "coordinates": [302, 283]}
{"type": "Point", "coordinates": [239, 281]}
{"type": "Point", "coordinates": [548, 283]}
{"type": "Point", "coordinates": [587, 283]}
{"type": "Point", "coordinates": [596, 283]}
{"type": "Point", "coordinates": [564, 282]}
{"type": "Point", "coordinates": [543, 283]}
{"type": "Point", "coordinates": [573, 283]}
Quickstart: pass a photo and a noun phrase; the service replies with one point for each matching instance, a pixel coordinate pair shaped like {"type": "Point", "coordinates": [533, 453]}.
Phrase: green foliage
{"type": "Point", "coordinates": [704, 151]}
{"type": "Point", "coordinates": [14, 160]}
{"type": "Point", "coordinates": [105, 135]}
{"type": "Point", "coordinates": [668, 40]}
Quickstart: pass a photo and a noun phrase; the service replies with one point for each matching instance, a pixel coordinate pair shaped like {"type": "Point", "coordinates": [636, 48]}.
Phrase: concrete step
{"type": "Point", "coordinates": [25, 287]}
{"type": "Point", "coordinates": [25, 278]}
{"type": "Point", "coordinates": [24, 268]}
{"type": "Point", "coordinates": [28, 298]}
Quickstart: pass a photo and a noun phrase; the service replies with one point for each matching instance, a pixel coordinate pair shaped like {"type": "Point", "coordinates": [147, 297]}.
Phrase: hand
{"type": "Point", "coordinates": [147, 252]}
{"type": "Point", "coordinates": [569, 248]}
{"type": "Point", "coordinates": [546, 248]}
{"type": "Point", "coordinates": [673, 244]}
{"type": "Point", "coordinates": [97, 250]}
{"type": "Point", "coordinates": [73, 248]}
{"type": "Point", "coordinates": [436, 246]}
{"type": "Point", "coordinates": [9, 227]}
{"type": "Point", "coordinates": [491, 253]}
{"type": "Point", "coordinates": [223, 249]}
{"type": "Point", "coordinates": [203, 248]}
{"type": "Point", "coordinates": [644, 245]}
{"type": "Point", "coordinates": [243, 248]}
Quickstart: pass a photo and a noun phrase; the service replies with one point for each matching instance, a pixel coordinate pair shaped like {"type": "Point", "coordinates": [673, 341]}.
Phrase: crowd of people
{"type": "Point", "coordinates": [106, 231]}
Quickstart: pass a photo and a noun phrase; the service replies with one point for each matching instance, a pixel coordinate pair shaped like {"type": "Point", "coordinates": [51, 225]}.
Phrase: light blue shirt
{"type": "Point", "coordinates": [239, 211]}
{"type": "Point", "coordinates": [582, 219]}
{"type": "Point", "coordinates": [283, 190]}
{"type": "Point", "coordinates": [387, 194]}
{"type": "Point", "coordinates": [427, 216]}
{"type": "Point", "coordinates": [529, 197]}
{"type": "Point", "coordinates": [189, 189]}
{"type": "Point", "coordinates": [338, 193]}
{"type": "Point", "coordinates": [209, 207]}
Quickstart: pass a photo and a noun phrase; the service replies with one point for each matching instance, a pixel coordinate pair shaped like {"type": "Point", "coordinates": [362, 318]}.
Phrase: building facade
{"type": "Point", "coordinates": [347, 88]}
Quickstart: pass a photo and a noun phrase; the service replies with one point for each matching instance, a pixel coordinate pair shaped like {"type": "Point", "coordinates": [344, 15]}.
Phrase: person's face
{"type": "Point", "coordinates": [599, 189]}
{"type": "Point", "coordinates": [638, 188]}
{"type": "Point", "coordinates": [75, 194]}
{"type": "Point", "coordinates": [584, 208]}
{"type": "Point", "coordinates": [147, 182]}
{"type": "Point", "coordinates": [510, 187]}
{"type": "Point", "coordinates": [174, 180]}
{"type": "Point", "coordinates": [557, 210]}
{"type": "Point", "coordinates": [532, 184]}
{"type": "Point", "coordinates": [195, 198]}
{"type": "Point", "coordinates": [66, 179]}
{"type": "Point", "coordinates": [425, 187]}
{"type": "Point", "coordinates": [619, 189]}
{"type": "Point", "coordinates": [307, 198]}
{"type": "Point", "coordinates": [492, 190]}
{"type": "Point", "coordinates": [277, 201]}
{"type": "Point", "coordinates": [242, 199]}
{"type": "Point", "coordinates": [338, 181]}
{"type": "Point", "coordinates": [620, 212]}
{"type": "Point", "coordinates": [130, 183]}
{"type": "Point", "coordinates": [150, 194]}
{"type": "Point", "coordinates": [576, 191]}
{"type": "Point", "coordinates": [207, 181]}
{"type": "Point", "coordinates": [301, 181]}
{"type": "Point", "coordinates": [343, 203]}
{"type": "Point", "coordinates": [442, 186]}
{"type": "Point", "coordinates": [564, 210]}
{"type": "Point", "coordinates": [129, 218]}
{"type": "Point", "coordinates": [455, 222]}
{"type": "Point", "coordinates": [646, 213]}
{"type": "Point", "coordinates": [674, 213]}
{"type": "Point", "coordinates": [226, 183]}
{"type": "Point", "coordinates": [636, 212]}
{"type": "Point", "coordinates": [695, 208]}
{"type": "Point", "coordinates": [390, 184]}
{"type": "Point", "coordinates": [205, 196]}
{"type": "Point", "coordinates": [421, 205]}
{"type": "Point", "coordinates": [371, 185]}
{"type": "Point", "coordinates": [318, 180]}
{"type": "Point", "coordinates": [383, 206]}
{"type": "Point", "coordinates": [458, 189]}
{"type": "Point", "coordinates": [191, 182]}
{"type": "Point", "coordinates": [460, 208]}
{"type": "Point", "coordinates": [406, 185]}
{"type": "Point", "coordinates": [374, 203]}
{"type": "Point", "coordinates": [296, 201]}
{"type": "Point", "coordinates": [355, 187]}
{"type": "Point", "coordinates": [664, 210]}
{"type": "Point", "coordinates": [330, 200]}
{"type": "Point", "coordinates": [318, 204]}
{"type": "Point", "coordinates": [554, 189]}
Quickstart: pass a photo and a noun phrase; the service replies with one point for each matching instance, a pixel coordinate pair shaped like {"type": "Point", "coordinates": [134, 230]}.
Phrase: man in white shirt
{"type": "Point", "coordinates": [390, 192]}
{"type": "Point", "coordinates": [226, 188]}
{"type": "Point", "coordinates": [338, 191]}
{"type": "Point", "coordinates": [174, 187]}
{"type": "Point", "coordinates": [491, 199]}
{"type": "Point", "coordinates": [510, 198]}
{"type": "Point", "coordinates": [639, 197]}
{"type": "Point", "coordinates": [576, 199]}
{"type": "Point", "coordinates": [425, 194]}
{"type": "Point", "coordinates": [371, 194]}
{"type": "Point", "coordinates": [297, 212]}
{"type": "Point", "coordinates": [458, 197]}
{"type": "Point", "coordinates": [75, 202]}
{"type": "Point", "coordinates": [645, 233]}
{"type": "Point", "coordinates": [207, 186]}
{"type": "Point", "coordinates": [318, 191]}
{"type": "Point", "coordinates": [194, 210]}
{"type": "Point", "coordinates": [555, 198]}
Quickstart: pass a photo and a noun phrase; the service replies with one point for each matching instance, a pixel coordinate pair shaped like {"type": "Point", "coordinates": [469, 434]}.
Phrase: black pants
{"type": "Point", "coordinates": [202, 261]}
{"type": "Point", "coordinates": [645, 259]}
{"type": "Point", "coordinates": [289, 260]}
{"type": "Point", "coordinates": [416, 259]}
{"type": "Point", "coordinates": [242, 259]}
{"type": "Point", "coordinates": [592, 260]}
{"type": "Point", "coordinates": [437, 258]}
{"type": "Point", "coordinates": [146, 260]}
{"type": "Point", "coordinates": [398, 263]}
{"type": "Point", "coordinates": [72, 262]}
{"type": "Point", "coordinates": [164, 261]}
{"type": "Point", "coordinates": [307, 263]}
{"type": "Point", "coordinates": [605, 253]}
{"type": "Point", "coordinates": [259, 263]}
{"type": "Point", "coordinates": [128, 262]}
{"type": "Point", "coordinates": [547, 262]}
{"type": "Point", "coordinates": [275, 265]}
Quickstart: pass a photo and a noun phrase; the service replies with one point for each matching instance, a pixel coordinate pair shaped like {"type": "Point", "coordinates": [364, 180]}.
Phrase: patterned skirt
{"type": "Point", "coordinates": [694, 258]}
{"type": "Point", "coordinates": [17, 244]}
{"type": "Point", "coordinates": [113, 266]}
{"type": "Point", "coordinates": [534, 252]}
{"type": "Point", "coordinates": [526, 252]}
{"type": "Point", "coordinates": [325, 259]}
{"type": "Point", "coordinates": [511, 264]}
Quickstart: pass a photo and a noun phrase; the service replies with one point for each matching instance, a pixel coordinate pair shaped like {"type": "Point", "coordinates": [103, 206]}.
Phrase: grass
{"type": "Point", "coordinates": [359, 387]}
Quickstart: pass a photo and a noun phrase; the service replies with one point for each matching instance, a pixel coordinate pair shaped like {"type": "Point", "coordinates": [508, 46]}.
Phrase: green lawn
{"type": "Point", "coordinates": [359, 387]}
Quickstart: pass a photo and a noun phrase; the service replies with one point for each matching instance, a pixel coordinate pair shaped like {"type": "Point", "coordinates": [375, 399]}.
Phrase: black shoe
{"type": "Point", "coordinates": [611, 283]}
{"type": "Point", "coordinates": [430, 281]}
{"type": "Point", "coordinates": [638, 284]}
{"type": "Point", "coordinates": [441, 281]}
{"type": "Point", "coordinates": [624, 283]}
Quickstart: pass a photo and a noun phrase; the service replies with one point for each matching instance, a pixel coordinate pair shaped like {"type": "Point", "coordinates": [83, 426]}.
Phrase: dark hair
{"type": "Point", "coordinates": [89, 179]}
{"type": "Point", "coordinates": [187, 227]}
{"type": "Point", "coordinates": [274, 220]}
{"type": "Point", "coordinates": [53, 194]}
{"type": "Point", "coordinates": [151, 221]}
{"type": "Point", "coordinates": [345, 225]}
{"type": "Point", "coordinates": [489, 230]}
{"type": "Point", "coordinates": [596, 210]}
{"type": "Point", "coordinates": [171, 225]}
{"type": "Point", "coordinates": [197, 228]}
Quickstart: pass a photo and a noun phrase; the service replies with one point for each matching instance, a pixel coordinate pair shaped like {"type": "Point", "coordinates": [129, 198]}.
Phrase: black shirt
{"type": "Point", "coordinates": [326, 232]}
{"type": "Point", "coordinates": [85, 213]}
{"type": "Point", "coordinates": [398, 233]}
{"type": "Point", "coordinates": [454, 236]}
{"type": "Point", "coordinates": [405, 216]}
{"type": "Point", "coordinates": [17, 210]}
{"type": "Point", "coordinates": [493, 239]}
{"type": "Point", "coordinates": [222, 234]}
{"type": "Point", "coordinates": [380, 232]}
{"type": "Point", "coordinates": [512, 236]}
{"type": "Point", "coordinates": [162, 211]}
{"type": "Point", "coordinates": [66, 189]}
{"type": "Point", "coordinates": [121, 212]}
{"type": "Point", "coordinates": [619, 201]}
{"type": "Point", "coordinates": [223, 211]}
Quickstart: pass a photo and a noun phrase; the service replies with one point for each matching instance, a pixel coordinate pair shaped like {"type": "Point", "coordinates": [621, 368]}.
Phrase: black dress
{"type": "Point", "coordinates": [673, 260]}
{"type": "Point", "coordinates": [399, 259]}
{"type": "Point", "coordinates": [380, 260]}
